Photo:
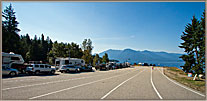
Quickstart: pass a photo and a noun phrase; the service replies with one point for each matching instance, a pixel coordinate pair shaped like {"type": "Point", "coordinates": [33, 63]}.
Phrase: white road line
{"type": "Point", "coordinates": [53, 82]}
{"type": "Point", "coordinates": [155, 87]}
{"type": "Point", "coordinates": [182, 85]}
{"type": "Point", "coordinates": [8, 79]}
{"type": "Point", "coordinates": [49, 77]}
{"type": "Point", "coordinates": [18, 80]}
{"type": "Point", "coordinates": [49, 82]}
{"type": "Point", "coordinates": [62, 76]}
{"type": "Point", "coordinates": [76, 86]}
{"type": "Point", "coordinates": [33, 78]}
{"type": "Point", "coordinates": [120, 85]}
{"type": "Point", "coordinates": [43, 83]}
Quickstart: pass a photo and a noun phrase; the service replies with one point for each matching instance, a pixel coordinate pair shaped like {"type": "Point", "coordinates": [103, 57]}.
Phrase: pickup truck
{"type": "Point", "coordinates": [40, 68]}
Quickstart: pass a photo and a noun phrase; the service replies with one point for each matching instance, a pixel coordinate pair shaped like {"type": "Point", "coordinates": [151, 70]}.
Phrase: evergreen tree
{"type": "Point", "coordinates": [11, 39]}
{"type": "Point", "coordinates": [39, 48]}
{"type": "Point", "coordinates": [194, 46]}
{"type": "Point", "coordinates": [105, 58]}
{"type": "Point", "coordinates": [76, 51]}
{"type": "Point", "coordinates": [189, 62]}
{"type": "Point", "coordinates": [34, 50]}
{"type": "Point", "coordinates": [202, 42]}
{"type": "Point", "coordinates": [25, 46]}
{"type": "Point", "coordinates": [43, 49]}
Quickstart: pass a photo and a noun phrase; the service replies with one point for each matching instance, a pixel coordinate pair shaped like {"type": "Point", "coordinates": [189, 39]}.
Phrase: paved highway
{"type": "Point", "coordinates": [132, 83]}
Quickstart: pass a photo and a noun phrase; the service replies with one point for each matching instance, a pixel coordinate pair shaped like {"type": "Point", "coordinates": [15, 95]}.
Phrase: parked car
{"type": "Point", "coordinates": [86, 68]}
{"type": "Point", "coordinates": [119, 66]}
{"type": "Point", "coordinates": [110, 66]}
{"type": "Point", "coordinates": [9, 71]}
{"type": "Point", "coordinates": [69, 68]}
{"type": "Point", "coordinates": [40, 68]}
{"type": "Point", "coordinates": [62, 68]}
{"type": "Point", "coordinates": [101, 67]}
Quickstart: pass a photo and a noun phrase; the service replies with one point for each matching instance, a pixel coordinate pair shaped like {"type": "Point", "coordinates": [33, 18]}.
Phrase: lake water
{"type": "Point", "coordinates": [167, 64]}
{"type": "Point", "coordinates": [172, 64]}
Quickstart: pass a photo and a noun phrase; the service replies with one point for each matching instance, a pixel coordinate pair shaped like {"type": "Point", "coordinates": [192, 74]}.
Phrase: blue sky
{"type": "Point", "coordinates": [153, 26]}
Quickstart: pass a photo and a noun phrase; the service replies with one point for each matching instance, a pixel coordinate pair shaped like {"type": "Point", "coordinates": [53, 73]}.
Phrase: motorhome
{"type": "Point", "coordinates": [13, 61]}
{"type": "Point", "coordinates": [68, 61]}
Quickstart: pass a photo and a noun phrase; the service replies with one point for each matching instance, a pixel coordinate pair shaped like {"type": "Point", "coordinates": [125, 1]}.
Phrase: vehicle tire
{"type": "Point", "coordinates": [12, 74]}
{"type": "Point", "coordinates": [67, 71]}
{"type": "Point", "coordinates": [37, 72]}
{"type": "Point", "coordinates": [52, 72]}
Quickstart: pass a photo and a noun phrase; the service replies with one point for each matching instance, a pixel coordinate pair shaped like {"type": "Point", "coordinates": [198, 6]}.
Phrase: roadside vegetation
{"type": "Point", "coordinates": [194, 46]}
{"type": "Point", "coordinates": [181, 77]}
{"type": "Point", "coordinates": [42, 48]}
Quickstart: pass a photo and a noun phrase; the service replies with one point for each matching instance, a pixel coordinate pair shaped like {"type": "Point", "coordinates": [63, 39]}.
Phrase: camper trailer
{"type": "Point", "coordinates": [68, 61]}
{"type": "Point", "coordinates": [15, 61]}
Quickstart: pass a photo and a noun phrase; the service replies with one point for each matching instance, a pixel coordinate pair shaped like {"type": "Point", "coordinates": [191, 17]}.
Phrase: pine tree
{"type": "Point", "coordinates": [25, 46]}
{"type": "Point", "coordinates": [194, 46]}
{"type": "Point", "coordinates": [105, 58]}
{"type": "Point", "coordinates": [11, 39]}
{"type": "Point", "coordinates": [202, 42]}
{"type": "Point", "coordinates": [189, 62]}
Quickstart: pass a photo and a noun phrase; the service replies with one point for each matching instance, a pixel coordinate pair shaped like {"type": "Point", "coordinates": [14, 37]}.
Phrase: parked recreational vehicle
{"type": "Point", "coordinates": [13, 61]}
{"type": "Point", "coordinates": [68, 61]}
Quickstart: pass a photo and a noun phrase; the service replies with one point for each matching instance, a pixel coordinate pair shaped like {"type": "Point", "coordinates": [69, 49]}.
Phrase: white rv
{"type": "Point", "coordinates": [68, 61]}
{"type": "Point", "coordinates": [13, 61]}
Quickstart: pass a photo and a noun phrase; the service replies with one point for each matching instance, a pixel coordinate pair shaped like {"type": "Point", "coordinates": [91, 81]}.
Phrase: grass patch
{"type": "Point", "coordinates": [196, 82]}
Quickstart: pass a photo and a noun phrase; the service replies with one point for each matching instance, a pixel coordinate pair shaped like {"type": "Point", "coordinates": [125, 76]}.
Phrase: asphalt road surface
{"type": "Point", "coordinates": [134, 83]}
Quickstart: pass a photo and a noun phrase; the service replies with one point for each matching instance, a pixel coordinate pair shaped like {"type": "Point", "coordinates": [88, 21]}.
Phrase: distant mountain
{"type": "Point", "coordinates": [134, 56]}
